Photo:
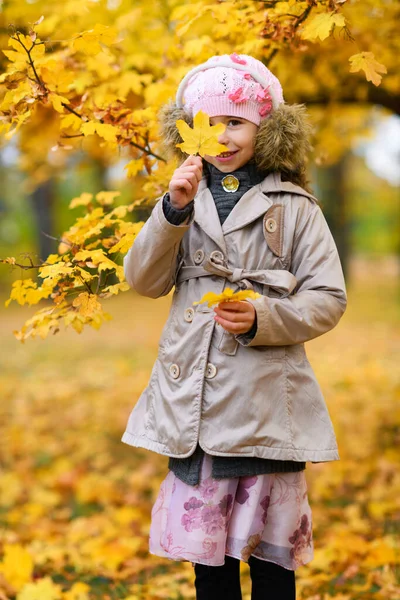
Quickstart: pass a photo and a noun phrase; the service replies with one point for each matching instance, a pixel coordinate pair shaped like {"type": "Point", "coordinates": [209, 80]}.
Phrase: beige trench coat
{"type": "Point", "coordinates": [235, 397]}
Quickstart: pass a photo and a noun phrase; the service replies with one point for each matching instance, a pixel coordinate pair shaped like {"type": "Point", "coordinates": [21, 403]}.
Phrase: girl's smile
{"type": "Point", "coordinates": [239, 137]}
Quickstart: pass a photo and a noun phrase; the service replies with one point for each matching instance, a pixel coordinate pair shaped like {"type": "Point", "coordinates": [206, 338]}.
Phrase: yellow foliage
{"type": "Point", "coordinates": [44, 589]}
{"type": "Point", "coordinates": [17, 565]}
{"type": "Point", "coordinates": [27, 291]}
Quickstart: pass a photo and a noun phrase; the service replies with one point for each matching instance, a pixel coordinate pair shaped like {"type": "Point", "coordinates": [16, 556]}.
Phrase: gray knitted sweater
{"type": "Point", "coordinates": [188, 469]}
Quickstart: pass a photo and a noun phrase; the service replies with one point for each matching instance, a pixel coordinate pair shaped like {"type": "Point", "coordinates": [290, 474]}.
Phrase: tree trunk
{"type": "Point", "coordinates": [43, 204]}
{"type": "Point", "coordinates": [331, 191]}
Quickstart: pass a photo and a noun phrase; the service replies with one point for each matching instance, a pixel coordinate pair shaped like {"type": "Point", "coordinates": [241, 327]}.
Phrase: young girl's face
{"type": "Point", "coordinates": [239, 138]}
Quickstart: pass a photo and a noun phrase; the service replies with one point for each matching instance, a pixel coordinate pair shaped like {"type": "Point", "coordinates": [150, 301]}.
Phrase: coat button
{"type": "Point", "coordinates": [174, 371]}
{"type": "Point", "coordinates": [217, 257]}
{"type": "Point", "coordinates": [198, 256]}
{"type": "Point", "coordinates": [189, 314]}
{"type": "Point", "coordinates": [270, 225]}
{"type": "Point", "coordinates": [211, 371]}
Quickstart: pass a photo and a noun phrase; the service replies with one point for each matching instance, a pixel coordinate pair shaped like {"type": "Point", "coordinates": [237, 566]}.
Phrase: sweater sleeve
{"type": "Point", "coordinates": [151, 262]}
{"type": "Point", "coordinates": [173, 215]}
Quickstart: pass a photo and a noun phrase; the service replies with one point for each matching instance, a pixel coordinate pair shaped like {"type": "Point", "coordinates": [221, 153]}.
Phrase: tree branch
{"type": "Point", "coordinates": [376, 95]}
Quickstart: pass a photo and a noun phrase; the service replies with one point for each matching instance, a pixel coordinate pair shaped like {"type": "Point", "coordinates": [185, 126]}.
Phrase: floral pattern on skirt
{"type": "Point", "coordinates": [266, 516]}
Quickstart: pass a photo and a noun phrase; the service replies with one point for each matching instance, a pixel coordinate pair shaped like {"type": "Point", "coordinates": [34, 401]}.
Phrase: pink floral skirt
{"type": "Point", "coordinates": [266, 516]}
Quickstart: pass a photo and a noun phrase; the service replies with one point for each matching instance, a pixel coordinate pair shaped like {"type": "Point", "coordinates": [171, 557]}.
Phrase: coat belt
{"type": "Point", "coordinates": [282, 281]}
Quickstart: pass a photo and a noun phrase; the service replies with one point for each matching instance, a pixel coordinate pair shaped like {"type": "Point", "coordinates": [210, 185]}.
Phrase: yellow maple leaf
{"type": "Point", "coordinates": [228, 295]}
{"type": "Point", "coordinates": [87, 304]}
{"type": "Point", "coordinates": [366, 61]}
{"type": "Point", "coordinates": [83, 200]}
{"type": "Point", "coordinates": [104, 130]}
{"type": "Point", "coordinates": [17, 565]}
{"type": "Point", "coordinates": [26, 291]}
{"type": "Point", "coordinates": [44, 589]}
{"type": "Point", "coordinates": [320, 26]}
{"type": "Point", "coordinates": [107, 197]}
{"type": "Point", "coordinates": [58, 101]}
{"type": "Point", "coordinates": [101, 261]}
{"type": "Point", "coordinates": [202, 139]}
{"type": "Point", "coordinates": [134, 166]}
{"type": "Point", "coordinates": [72, 121]}
{"type": "Point", "coordinates": [113, 290]}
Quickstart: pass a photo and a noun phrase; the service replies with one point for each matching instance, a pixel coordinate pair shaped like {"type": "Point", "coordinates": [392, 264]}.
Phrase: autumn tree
{"type": "Point", "coordinates": [92, 76]}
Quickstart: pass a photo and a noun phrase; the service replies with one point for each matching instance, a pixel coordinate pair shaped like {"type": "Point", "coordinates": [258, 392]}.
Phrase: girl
{"type": "Point", "coordinates": [232, 398]}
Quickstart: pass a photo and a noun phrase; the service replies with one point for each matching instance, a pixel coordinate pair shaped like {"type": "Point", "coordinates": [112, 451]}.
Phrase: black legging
{"type": "Point", "coordinates": [269, 581]}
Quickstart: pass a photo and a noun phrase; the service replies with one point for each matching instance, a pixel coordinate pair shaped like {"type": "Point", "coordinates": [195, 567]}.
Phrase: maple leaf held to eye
{"type": "Point", "coordinates": [203, 138]}
{"type": "Point", "coordinates": [228, 295]}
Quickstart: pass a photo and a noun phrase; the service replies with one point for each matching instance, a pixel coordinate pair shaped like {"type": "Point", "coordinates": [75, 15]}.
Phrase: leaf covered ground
{"type": "Point", "coordinates": [75, 501]}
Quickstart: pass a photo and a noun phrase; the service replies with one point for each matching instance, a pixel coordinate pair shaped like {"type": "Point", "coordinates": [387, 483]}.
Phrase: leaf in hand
{"type": "Point", "coordinates": [228, 295]}
{"type": "Point", "coordinates": [203, 138]}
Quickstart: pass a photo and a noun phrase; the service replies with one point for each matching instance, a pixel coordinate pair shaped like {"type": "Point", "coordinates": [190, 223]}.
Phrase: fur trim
{"type": "Point", "coordinates": [170, 135]}
{"type": "Point", "coordinates": [281, 143]}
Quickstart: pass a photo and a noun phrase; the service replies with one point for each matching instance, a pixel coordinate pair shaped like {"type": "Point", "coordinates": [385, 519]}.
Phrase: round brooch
{"type": "Point", "coordinates": [230, 183]}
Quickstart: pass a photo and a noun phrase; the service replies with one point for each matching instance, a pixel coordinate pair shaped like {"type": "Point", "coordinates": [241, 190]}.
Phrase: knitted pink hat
{"type": "Point", "coordinates": [235, 85]}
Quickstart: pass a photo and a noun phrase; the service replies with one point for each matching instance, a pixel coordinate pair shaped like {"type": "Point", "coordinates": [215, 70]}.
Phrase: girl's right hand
{"type": "Point", "coordinates": [185, 181]}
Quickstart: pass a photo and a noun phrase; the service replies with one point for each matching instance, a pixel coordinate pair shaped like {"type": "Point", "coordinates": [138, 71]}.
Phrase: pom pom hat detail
{"type": "Point", "coordinates": [233, 85]}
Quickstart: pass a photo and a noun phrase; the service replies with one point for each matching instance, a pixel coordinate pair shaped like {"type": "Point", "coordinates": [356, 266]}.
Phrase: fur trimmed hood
{"type": "Point", "coordinates": [281, 143]}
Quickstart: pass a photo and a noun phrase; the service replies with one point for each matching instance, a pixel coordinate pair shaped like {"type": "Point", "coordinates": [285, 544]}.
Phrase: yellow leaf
{"type": "Point", "coordinates": [116, 288]}
{"type": "Point", "coordinates": [104, 130]}
{"type": "Point", "coordinates": [26, 291]}
{"type": "Point", "coordinates": [87, 45]}
{"type": "Point", "coordinates": [89, 128]}
{"type": "Point", "coordinates": [44, 589]}
{"type": "Point", "coordinates": [83, 200]}
{"type": "Point", "coordinates": [366, 61]}
{"type": "Point", "coordinates": [202, 139]}
{"type": "Point", "coordinates": [72, 121]}
{"type": "Point", "coordinates": [79, 591]}
{"type": "Point", "coordinates": [320, 26]}
{"type": "Point", "coordinates": [228, 295]}
{"type": "Point", "coordinates": [10, 260]}
{"type": "Point", "coordinates": [17, 565]}
{"type": "Point", "coordinates": [130, 231]}
{"type": "Point", "coordinates": [134, 166]}
{"type": "Point", "coordinates": [57, 102]}
{"type": "Point", "coordinates": [100, 260]}
{"type": "Point", "coordinates": [106, 198]}
{"type": "Point", "coordinates": [87, 304]}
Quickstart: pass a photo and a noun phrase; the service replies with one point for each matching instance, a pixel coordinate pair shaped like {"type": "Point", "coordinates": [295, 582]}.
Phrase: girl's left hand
{"type": "Point", "coordinates": [235, 317]}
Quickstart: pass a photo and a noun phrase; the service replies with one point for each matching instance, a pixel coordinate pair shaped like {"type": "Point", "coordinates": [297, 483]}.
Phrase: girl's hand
{"type": "Point", "coordinates": [235, 317]}
{"type": "Point", "coordinates": [185, 181]}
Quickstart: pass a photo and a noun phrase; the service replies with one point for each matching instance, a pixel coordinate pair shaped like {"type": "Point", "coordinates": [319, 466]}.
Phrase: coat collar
{"type": "Point", "coordinates": [253, 204]}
